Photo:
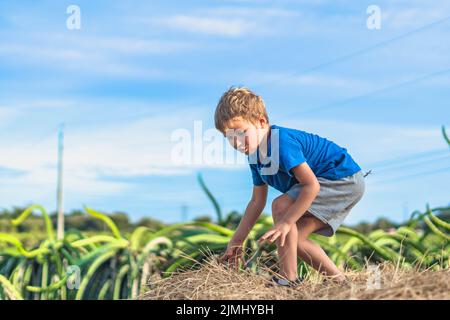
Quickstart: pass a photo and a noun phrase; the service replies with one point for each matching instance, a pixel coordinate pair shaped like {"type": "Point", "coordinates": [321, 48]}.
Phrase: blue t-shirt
{"type": "Point", "coordinates": [326, 158]}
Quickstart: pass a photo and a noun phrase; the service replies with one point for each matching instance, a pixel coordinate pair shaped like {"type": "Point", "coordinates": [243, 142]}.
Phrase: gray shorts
{"type": "Point", "coordinates": [334, 200]}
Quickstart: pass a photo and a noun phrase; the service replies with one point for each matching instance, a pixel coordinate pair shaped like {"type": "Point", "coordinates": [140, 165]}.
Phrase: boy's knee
{"type": "Point", "coordinates": [279, 207]}
{"type": "Point", "coordinates": [276, 215]}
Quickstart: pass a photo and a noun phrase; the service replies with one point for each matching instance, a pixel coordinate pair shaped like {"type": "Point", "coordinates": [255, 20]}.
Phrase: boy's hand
{"type": "Point", "coordinates": [279, 230]}
{"type": "Point", "coordinates": [233, 254]}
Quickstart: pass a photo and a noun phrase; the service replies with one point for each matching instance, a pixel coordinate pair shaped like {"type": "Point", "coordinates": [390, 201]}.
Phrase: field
{"type": "Point", "coordinates": [410, 261]}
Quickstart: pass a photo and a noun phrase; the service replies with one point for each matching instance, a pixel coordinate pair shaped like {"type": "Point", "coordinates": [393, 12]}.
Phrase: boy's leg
{"type": "Point", "coordinates": [312, 253]}
{"type": "Point", "coordinates": [297, 243]}
{"type": "Point", "coordinates": [287, 254]}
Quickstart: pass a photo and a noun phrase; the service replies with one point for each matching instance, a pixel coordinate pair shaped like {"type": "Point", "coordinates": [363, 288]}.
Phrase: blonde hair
{"type": "Point", "coordinates": [239, 102]}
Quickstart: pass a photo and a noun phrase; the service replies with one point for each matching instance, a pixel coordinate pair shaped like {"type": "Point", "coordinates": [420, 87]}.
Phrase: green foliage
{"type": "Point", "coordinates": [76, 219]}
{"type": "Point", "coordinates": [112, 266]}
{"type": "Point", "coordinates": [211, 198]}
{"type": "Point", "coordinates": [444, 133]}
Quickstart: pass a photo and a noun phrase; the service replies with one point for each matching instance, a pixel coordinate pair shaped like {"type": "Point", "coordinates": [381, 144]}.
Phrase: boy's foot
{"type": "Point", "coordinates": [285, 283]}
{"type": "Point", "coordinates": [336, 280]}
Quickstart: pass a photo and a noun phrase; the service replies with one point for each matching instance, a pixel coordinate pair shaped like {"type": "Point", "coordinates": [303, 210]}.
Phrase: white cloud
{"type": "Point", "coordinates": [109, 56]}
{"type": "Point", "coordinates": [228, 21]}
{"type": "Point", "coordinates": [212, 26]}
{"type": "Point", "coordinates": [414, 15]}
{"type": "Point", "coordinates": [250, 12]}
{"type": "Point", "coordinates": [18, 105]}
{"type": "Point", "coordinates": [7, 115]}
{"type": "Point", "coordinates": [124, 45]}
{"type": "Point", "coordinates": [314, 80]}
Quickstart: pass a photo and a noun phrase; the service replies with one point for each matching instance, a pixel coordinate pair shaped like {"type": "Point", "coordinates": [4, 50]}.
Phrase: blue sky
{"type": "Point", "coordinates": [136, 72]}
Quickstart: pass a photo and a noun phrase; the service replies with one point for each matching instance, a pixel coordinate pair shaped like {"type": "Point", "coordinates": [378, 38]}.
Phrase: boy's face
{"type": "Point", "coordinates": [244, 135]}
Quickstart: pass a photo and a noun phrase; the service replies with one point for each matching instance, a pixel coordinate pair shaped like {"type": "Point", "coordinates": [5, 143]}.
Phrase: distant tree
{"type": "Point", "coordinates": [121, 220]}
{"type": "Point", "coordinates": [232, 219]}
{"type": "Point", "coordinates": [150, 223]}
{"type": "Point", "coordinates": [203, 218]}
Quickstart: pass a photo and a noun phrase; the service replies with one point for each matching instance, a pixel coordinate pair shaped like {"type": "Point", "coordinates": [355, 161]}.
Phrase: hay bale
{"type": "Point", "coordinates": [210, 280]}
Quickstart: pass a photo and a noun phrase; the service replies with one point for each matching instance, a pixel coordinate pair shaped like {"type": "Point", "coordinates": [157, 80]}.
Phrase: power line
{"type": "Point", "coordinates": [367, 94]}
{"type": "Point", "coordinates": [358, 52]}
{"type": "Point", "coordinates": [418, 155]}
{"type": "Point", "coordinates": [395, 179]}
{"type": "Point", "coordinates": [344, 57]}
{"type": "Point", "coordinates": [406, 177]}
{"type": "Point", "coordinates": [403, 165]}
{"type": "Point", "coordinates": [400, 163]}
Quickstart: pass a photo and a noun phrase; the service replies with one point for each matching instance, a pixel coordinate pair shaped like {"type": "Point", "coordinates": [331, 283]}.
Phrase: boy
{"type": "Point", "coordinates": [319, 180]}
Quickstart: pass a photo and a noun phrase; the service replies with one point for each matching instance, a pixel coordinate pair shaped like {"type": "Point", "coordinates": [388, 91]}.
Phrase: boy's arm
{"type": "Point", "coordinates": [310, 189]}
{"type": "Point", "coordinates": [252, 213]}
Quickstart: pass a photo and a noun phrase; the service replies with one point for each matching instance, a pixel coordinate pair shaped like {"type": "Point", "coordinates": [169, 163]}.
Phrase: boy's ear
{"type": "Point", "coordinates": [263, 122]}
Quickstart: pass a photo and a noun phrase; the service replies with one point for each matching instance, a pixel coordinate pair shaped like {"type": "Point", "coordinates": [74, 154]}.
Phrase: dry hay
{"type": "Point", "coordinates": [211, 280]}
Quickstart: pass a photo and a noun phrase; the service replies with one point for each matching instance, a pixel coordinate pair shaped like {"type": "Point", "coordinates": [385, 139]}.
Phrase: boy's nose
{"type": "Point", "coordinates": [240, 145]}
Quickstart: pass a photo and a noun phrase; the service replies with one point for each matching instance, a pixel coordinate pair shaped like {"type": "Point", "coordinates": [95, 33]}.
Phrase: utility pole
{"type": "Point", "coordinates": [59, 192]}
{"type": "Point", "coordinates": [184, 213]}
